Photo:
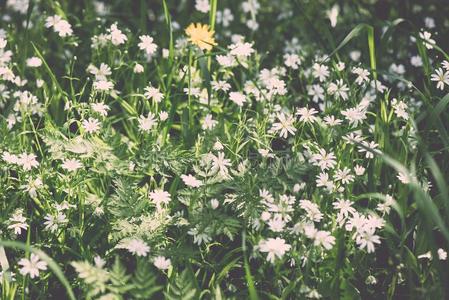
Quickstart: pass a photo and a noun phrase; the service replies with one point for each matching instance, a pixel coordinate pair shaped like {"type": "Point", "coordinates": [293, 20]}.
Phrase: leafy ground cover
{"type": "Point", "coordinates": [224, 149]}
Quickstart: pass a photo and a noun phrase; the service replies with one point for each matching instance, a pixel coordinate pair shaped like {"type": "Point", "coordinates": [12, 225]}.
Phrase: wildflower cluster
{"type": "Point", "coordinates": [154, 151]}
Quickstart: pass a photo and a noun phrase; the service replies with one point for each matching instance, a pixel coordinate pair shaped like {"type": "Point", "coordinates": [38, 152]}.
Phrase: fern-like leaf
{"type": "Point", "coordinates": [144, 282]}
{"type": "Point", "coordinates": [182, 287]}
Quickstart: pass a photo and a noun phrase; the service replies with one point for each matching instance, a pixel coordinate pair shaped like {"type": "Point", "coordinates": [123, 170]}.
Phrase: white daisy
{"type": "Point", "coordinates": [32, 266]}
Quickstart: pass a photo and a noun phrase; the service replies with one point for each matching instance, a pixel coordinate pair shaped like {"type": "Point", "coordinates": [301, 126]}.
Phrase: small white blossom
{"type": "Point", "coordinates": [162, 263]}
{"type": "Point", "coordinates": [274, 247]}
{"type": "Point", "coordinates": [147, 44]}
{"type": "Point", "coordinates": [32, 266]}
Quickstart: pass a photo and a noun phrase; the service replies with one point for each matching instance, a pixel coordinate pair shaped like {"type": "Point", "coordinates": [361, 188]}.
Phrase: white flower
{"type": "Point", "coordinates": [292, 61]}
{"type": "Point", "coordinates": [445, 64]}
{"type": "Point", "coordinates": [100, 108]}
{"type": "Point", "coordinates": [252, 24]}
{"type": "Point", "coordinates": [312, 209]}
{"type": "Point", "coordinates": [148, 122]}
{"type": "Point", "coordinates": [10, 158]}
{"type": "Point", "coordinates": [52, 222]}
{"type": "Point", "coordinates": [225, 17]}
{"type": "Point", "coordinates": [427, 39]}
{"type": "Point", "coordinates": [276, 224]}
{"type": "Point", "coordinates": [160, 196]}
{"type": "Point", "coordinates": [146, 44]}
{"type": "Point", "coordinates": [275, 248]}
{"type": "Point", "coordinates": [116, 36]}
{"type": "Point", "coordinates": [62, 27]}
{"type": "Point", "coordinates": [307, 115]}
{"type": "Point", "coordinates": [340, 66]}
{"type": "Point", "coordinates": [385, 206]}
{"type": "Point", "coordinates": [137, 247]}
{"type": "Point", "coordinates": [324, 160]}
{"type": "Point", "coordinates": [316, 91]}
{"type": "Point", "coordinates": [427, 255]}
{"type": "Point", "coordinates": [226, 61]}
{"type": "Point", "coordinates": [91, 125]}
{"type": "Point", "coordinates": [241, 49]}
{"type": "Point", "coordinates": [416, 61]}
{"type": "Point", "coordinates": [220, 86]}
{"type": "Point", "coordinates": [265, 216]}
{"type": "Point", "coordinates": [372, 149]}
{"type": "Point", "coordinates": [162, 263]}
{"type": "Point", "coordinates": [191, 181]}
{"type": "Point", "coordinates": [371, 280]}
{"type": "Point", "coordinates": [367, 239]}
{"type": "Point", "coordinates": [214, 203]}
{"type": "Point", "coordinates": [430, 22]}
{"type": "Point", "coordinates": [320, 71]}
{"type": "Point", "coordinates": [199, 237]}
{"type": "Point", "coordinates": [220, 164]}
{"type": "Point", "coordinates": [359, 170]}
{"type": "Point", "coordinates": [344, 176]}
{"type": "Point", "coordinates": [285, 125]}
{"type": "Point", "coordinates": [377, 84]}
{"type": "Point", "coordinates": [100, 73]}
{"type": "Point", "coordinates": [344, 207]}
{"type": "Point", "coordinates": [362, 75]}
{"type": "Point", "coordinates": [250, 6]}
{"type": "Point", "coordinates": [237, 97]}
{"type": "Point", "coordinates": [153, 93]}
{"type": "Point", "coordinates": [64, 206]}
{"type": "Point", "coordinates": [339, 89]}
{"type": "Point", "coordinates": [138, 68]}
{"type": "Point", "coordinates": [218, 146]}
{"type": "Point", "coordinates": [400, 108]}
{"type": "Point", "coordinates": [322, 179]}
{"type": "Point", "coordinates": [27, 161]}
{"type": "Point", "coordinates": [33, 186]}
{"type": "Point", "coordinates": [355, 55]}
{"type": "Point", "coordinates": [208, 123]}
{"type": "Point", "coordinates": [323, 238]}
{"type": "Point", "coordinates": [18, 222]}
{"type": "Point", "coordinates": [265, 153]}
{"type": "Point", "coordinates": [441, 77]}
{"type": "Point", "coordinates": [404, 178]}
{"type": "Point", "coordinates": [165, 53]}
{"type": "Point", "coordinates": [103, 85]}
{"type": "Point", "coordinates": [32, 266]}
{"type": "Point", "coordinates": [332, 121]}
{"type": "Point", "coordinates": [314, 294]}
{"type": "Point", "coordinates": [202, 6]}
{"type": "Point", "coordinates": [3, 43]}
{"type": "Point", "coordinates": [71, 165]}
{"type": "Point", "coordinates": [99, 262]}
{"type": "Point", "coordinates": [354, 116]}
{"type": "Point", "coordinates": [34, 62]}
{"type": "Point", "coordinates": [442, 255]}
{"type": "Point", "coordinates": [163, 115]}
{"type": "Point", "coordinates": [332, 14]}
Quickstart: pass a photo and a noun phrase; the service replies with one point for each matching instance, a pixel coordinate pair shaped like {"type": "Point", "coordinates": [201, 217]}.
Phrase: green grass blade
{"type": "Point", "coordinates": [170, 30]}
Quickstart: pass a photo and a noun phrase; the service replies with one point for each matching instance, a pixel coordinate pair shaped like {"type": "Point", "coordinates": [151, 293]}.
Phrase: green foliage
{"type": "Point", "coordinates": [325, 175]}
{"type": "Point", "coordinates": [182, 286]}
{"type": "Point", "coordinates": [126, 201]}
{"type": "Point", "coordinates": [144, 282]}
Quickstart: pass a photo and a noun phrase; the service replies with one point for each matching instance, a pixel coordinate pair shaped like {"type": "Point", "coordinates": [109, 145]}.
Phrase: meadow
{"type": "Point", "coordinates": [224, 149]}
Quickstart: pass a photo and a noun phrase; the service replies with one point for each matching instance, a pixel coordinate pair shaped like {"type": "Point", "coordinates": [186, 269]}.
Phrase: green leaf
{"type": "Point", "coordinates": [182, 287]}
{"type": "Point", "coordinates": [144, 281]}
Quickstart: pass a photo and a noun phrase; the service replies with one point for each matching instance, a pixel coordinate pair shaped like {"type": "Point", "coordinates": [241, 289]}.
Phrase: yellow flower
{"type": "Point", "coordinates": [201, 35]}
